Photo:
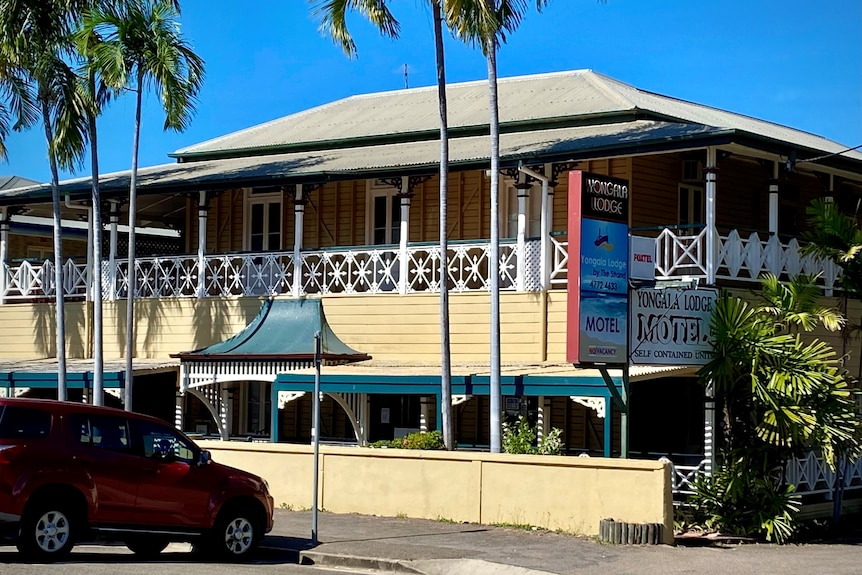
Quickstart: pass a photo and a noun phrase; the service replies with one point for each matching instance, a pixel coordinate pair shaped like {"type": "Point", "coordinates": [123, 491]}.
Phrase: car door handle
{"type": "Point", "coordinates": [83, 458]}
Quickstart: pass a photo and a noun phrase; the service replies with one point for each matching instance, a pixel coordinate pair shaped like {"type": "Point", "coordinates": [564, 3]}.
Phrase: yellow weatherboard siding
{"type": "Point", "coordinates": [576, 493]}
{"type": "Point", "coordinates": [388, 327]}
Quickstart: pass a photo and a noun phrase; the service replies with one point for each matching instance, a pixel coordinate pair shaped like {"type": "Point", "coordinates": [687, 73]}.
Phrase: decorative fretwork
{"type": "Point", "coordinates": [597, 404]}
{"type": "Point", "coordinates": [459, 399]}
{"type": "Point", "coordinates": [394, 182]}
{"type": "Point", "coordinates": [373, 270]}
{"type": "Point", "coordinates": [285, 397]}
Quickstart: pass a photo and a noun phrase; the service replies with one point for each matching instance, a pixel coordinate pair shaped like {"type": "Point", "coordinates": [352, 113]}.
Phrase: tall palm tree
{"type": "Point", "coordinates": [141, 47]}
{"type": "Point", "coordinates": [96, 94]}
{"type": "Point", "coordinates": [485, 23]}
{"type": "Point", "coordinates": [333, 22]}
{"type": "Point", "coordinates": [17, 108]}
{"type": "Point", "coordinates": [35, 39]}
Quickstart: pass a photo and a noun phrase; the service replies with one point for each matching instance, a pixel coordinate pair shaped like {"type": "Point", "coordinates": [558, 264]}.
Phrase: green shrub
{"type": "Point", "coordinates": [418, 440]}
{"type": "Point", "coordinates": [520, 437]}
{"type": "Point", "coordinates": [743, 497]}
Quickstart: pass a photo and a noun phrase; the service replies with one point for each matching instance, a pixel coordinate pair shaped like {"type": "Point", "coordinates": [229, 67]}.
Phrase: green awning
{"type": "Point", "coordinates": [283, 330]}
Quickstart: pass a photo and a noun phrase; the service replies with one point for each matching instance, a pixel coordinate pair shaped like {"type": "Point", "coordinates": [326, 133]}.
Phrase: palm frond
{"type": "Point", "coordinates": [333, 19]}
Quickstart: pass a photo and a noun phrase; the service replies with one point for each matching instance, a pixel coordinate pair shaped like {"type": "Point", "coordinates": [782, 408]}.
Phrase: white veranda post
{"type": "Point", "coordinates": [711, 230]}
{"type": "Point", "coordinates": [298, 230]}
{"type": "Point", "coordinates": [203, 208]}
{"type": "Point", "coordinates": [114, 220]}
{"type": "Point", "coordinates": [4, 239]}
{"type": "Point", "coordinates": [404, 233]}
{"type": "Point", "coordinates": [523, 195]}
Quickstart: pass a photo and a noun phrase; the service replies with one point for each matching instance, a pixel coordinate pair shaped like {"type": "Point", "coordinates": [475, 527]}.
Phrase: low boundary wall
{"type": "Point", "coordinates": [571, 494]}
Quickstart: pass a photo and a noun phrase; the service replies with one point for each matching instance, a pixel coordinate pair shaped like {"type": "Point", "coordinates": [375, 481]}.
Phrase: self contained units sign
{"type": "Point", "coordinates": [597, 323]}
{"type": "Point", "coordinates": [671, 326]}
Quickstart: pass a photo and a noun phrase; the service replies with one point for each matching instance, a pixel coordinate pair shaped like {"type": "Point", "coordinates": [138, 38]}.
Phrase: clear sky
{"type": "Point", "coordinates": [794, 62]}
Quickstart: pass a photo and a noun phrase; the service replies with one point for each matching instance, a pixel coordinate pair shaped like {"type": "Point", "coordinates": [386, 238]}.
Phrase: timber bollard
{"type": "Point", "coordinates": [622, 533]}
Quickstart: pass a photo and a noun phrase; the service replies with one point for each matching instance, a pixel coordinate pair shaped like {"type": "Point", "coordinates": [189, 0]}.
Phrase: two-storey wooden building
{"type": "Point", "coordinates": [341, 203]}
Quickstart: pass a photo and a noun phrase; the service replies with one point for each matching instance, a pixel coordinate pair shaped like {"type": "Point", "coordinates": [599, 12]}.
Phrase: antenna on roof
{"type": "Point", "coordinates": [406, 83]}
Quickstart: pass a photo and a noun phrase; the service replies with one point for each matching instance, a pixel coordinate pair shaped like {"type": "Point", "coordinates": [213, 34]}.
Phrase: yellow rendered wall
{"type": "Point", "coordinates": [560, 493]}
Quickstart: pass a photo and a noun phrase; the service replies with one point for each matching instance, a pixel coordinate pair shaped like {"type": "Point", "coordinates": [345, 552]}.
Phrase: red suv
{"type": "Point", "coordinates": [70, 471]}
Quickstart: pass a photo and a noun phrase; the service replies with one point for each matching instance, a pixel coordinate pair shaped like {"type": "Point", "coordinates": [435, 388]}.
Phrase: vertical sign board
{"type": "Point", "coordinates": [598, 269]}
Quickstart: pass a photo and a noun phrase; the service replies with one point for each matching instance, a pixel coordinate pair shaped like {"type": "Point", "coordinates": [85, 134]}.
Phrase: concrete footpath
{"type": "Point", "coordinates": [360, 542]}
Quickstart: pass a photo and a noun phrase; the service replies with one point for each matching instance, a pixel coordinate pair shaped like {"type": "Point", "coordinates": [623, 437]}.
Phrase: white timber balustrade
{"type": "Point", "coordinates": [381, 269]}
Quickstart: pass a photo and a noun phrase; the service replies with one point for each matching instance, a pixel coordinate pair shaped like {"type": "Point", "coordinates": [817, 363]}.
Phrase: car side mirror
{"type": "Point", "coordinates": [204, 458]}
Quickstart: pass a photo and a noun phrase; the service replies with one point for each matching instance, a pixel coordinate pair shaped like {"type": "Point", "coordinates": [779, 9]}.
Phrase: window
{"type": "Point", "coordinates": [23, 423]}
{"type": "Point", "coordinates": [384, 214]}
{"type": "Point", "coordinates": [259, 408]}
{"type": "Point", "coordinates": [110, 433]}
{"type": "Point", "coordinates": [691, 205]}
{"type": "Point", "coordinates": [263, 221]}
{"type": "Point", "coordinates": [509, 210]}
{"type": "Point", "coordinates": [161, 443]}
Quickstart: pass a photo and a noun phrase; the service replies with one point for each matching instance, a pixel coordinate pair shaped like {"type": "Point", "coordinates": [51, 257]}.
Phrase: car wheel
{"type": "Point", "coordinates": [48, 531]}
{"type": "Point", "coordinates": [147, 547]}
{"type": "Point", "coordinates": [236, 534]}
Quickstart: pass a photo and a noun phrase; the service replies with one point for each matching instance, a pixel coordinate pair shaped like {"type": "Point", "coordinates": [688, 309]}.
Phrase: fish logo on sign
{"type": "Point", "coordinates": [602, 241]}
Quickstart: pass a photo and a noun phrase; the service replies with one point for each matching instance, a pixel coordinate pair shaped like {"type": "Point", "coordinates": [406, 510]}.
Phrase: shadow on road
{"type": "Point", "coordinates": [274, 550]}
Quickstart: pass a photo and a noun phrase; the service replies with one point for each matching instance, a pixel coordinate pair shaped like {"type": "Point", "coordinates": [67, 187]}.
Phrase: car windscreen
{"type": "Point", "coordinates": [23, 422]}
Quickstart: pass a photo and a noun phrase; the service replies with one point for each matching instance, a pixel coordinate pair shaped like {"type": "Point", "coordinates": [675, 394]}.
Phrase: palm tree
{"type": "Point", "coordinates": [778, 389]}
{"type": "Point", "coordinates": [333, 22]}
{"type": "Point", "coordinates": [17, 108]}
{"type": "Point", "coordinates": [35, 39]}
{"type": "Point", "coordinates": [141, 46]}
{"type": "Point", "coordinates": [486, 23]}
{"type": "Point", "coordinates": [96, 94]}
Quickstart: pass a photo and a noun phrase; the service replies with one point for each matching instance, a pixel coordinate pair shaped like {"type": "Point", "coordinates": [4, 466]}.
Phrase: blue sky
{"type": "Point", "coordinates": [791, 62]}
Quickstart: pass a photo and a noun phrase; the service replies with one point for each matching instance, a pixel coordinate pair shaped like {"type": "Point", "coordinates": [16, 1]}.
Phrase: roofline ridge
{"type": "Point", "coordinates": [602, 82]}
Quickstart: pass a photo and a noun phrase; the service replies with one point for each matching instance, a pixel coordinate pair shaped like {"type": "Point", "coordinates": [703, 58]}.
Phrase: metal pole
{"type": "Point", "coordinates": [315, 436]}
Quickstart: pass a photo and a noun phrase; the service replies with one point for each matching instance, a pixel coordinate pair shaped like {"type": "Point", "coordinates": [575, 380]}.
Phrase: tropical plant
{"type": "Point", "coordinates": [781, 394]}
{"type": "Point", "coordinates": [744, 498]}
{"type": "Point", "coordinates": [776, 387]}
{"type": "Point", "coordinates": [35, 42]}
{"type": "Point", "coordinates": [521, 437]}
{"type": "Point", "coordinates": [418, 440]}
{"type": "Point", "coordinates": [334, 23]}
{"type": "Point", "coordinates": [141, 47]}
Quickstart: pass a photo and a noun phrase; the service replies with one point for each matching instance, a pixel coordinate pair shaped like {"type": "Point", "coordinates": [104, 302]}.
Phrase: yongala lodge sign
{"type": "Point", "coordinates": [597, 328]}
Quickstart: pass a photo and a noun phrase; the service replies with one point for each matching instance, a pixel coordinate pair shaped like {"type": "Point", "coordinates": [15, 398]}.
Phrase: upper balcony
{"type": "Point", "coordinates": [416, 268]}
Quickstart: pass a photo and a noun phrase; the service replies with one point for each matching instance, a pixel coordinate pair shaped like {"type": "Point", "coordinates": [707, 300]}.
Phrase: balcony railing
{"type": "Point", "coordinates": [375, 270]}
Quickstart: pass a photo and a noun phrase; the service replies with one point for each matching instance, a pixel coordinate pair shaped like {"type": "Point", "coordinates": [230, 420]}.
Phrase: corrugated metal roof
{"type": "Point", "coordinates": [354, 162]}
{"type": "Point", "coordinates": [282, 329]}
{"type": "Point", "coordinates": [526, 99]}
{"type": "Point", "coordinates": [10, 182]}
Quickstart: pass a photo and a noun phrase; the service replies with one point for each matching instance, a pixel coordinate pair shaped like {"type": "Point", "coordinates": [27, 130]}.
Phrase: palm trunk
{"type": "Point", "coordinates": [494, 264]}
{"type": "Point", "coordinates": [59, 290]}
{"type": "Point", "coordinates": [133, 206]}
{"type": "Point", "coordinates": [98, 358]}
{"type": "Point", "coordinates": [445, 351]}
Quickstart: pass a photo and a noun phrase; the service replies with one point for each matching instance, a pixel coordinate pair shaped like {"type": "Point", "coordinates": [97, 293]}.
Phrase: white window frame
{"type": "Point", "coordinates": [266, 200]}
{"type": "Point", "coordinates": [373, 190]}
{"type": "Point", "coordinates": [691, 190]}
